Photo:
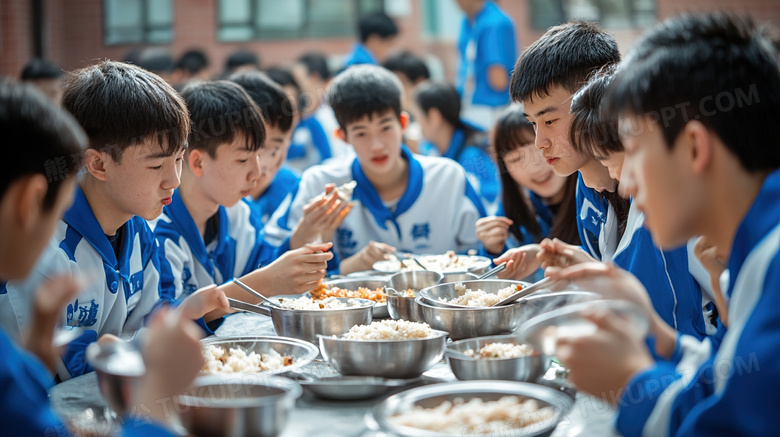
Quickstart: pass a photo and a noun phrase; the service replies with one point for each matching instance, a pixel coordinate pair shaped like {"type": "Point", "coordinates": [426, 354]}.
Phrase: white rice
{"type": "Point", "coordinates": [479, 298]}
{"type": "Point", "coordinates": [307, 303]}
{"type": "Point", "coordinates": [501, 350]}
{"type": "Point", "coordinates": [448, 262]}
{"type": "Point", "coordinates": [390, 330]}
{"type": "Point", "coordinates": [236, 360]}
{"type": "Point", "coordinates": [476, 416]}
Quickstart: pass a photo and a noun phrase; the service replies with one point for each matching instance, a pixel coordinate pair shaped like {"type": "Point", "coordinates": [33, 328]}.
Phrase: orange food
{"type": "Point", "coordinates": [323, 292]}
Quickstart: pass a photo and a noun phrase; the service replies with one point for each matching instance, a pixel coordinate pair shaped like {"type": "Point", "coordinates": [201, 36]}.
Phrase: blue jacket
{"type": "Point", "coordinates": [494, 34]}
{"type": "Point", "coordinates": [730, 387]}
{"type": "Point", "coordinates": [284, 183]}
{"type": "Point", "coordinates": [480, 168]}
{"type": "Point", "coordinates": [358, 55]}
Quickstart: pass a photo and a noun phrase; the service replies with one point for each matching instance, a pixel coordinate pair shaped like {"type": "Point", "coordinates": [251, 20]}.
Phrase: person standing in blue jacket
{"type": "Point", "coordinates": [486, 52]}
{"type": "Point", "coordinates": [710, 167]}
{"type": "Point", "coordinates": [456, 139]}
{"type": "Point", "coordinates": [33, 198]}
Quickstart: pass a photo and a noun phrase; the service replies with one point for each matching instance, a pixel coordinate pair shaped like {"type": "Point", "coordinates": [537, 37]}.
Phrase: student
{"type": "Point", "coordinates": [191, 65]}
{"type": "Point", "coordinates": [413, 203]}
{"type": "Point", "coordinates": [708, 169]}
{"type": "Point", "coordinates": [536, 202]}
{"type": "Point", "coordinates": [546, 76]}
{"type": "Point", "coordinates": [241, 60]}
{"type": "Point", "coordinates": [159, 61]}
{"type": "Point", "coordinates": [377, 34]}
{"type": "Point", "coordinates": [32, 201]}
{"type": "Point", "coordinates": [411, 71]}
{"type": "Point", "coordinates": [137, 127]}
{"type": "Point", "coordinates": [46, 76]}
{"type": "Point", "coordinates": [486, 52]}
{"type": "Point", "coordinates": [276, 180]}
{"type": "Point", "coordinates": [675, 294]}
{"type": "Point", "coordinates": [454, 138]}
{"type": "Point", "coordinates": [208, 234]}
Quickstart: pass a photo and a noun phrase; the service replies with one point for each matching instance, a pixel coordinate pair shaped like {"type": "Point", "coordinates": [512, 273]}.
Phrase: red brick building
{"type": "Point", "coordinates": [74, 33]}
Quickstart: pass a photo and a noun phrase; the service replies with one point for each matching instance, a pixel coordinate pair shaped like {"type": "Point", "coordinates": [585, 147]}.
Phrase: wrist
{"type": "Point", "coordinates": [665, 337]}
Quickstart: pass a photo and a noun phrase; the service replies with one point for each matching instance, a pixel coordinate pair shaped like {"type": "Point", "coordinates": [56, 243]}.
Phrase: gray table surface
{"type": "Point", "coordinates": [79, 400]}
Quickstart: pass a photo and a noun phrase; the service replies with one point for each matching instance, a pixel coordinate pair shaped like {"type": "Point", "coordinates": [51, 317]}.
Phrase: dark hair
{"type": "Point", "coordinates": [513, 130]}
{"type": "Point", "coordinates": [156, 60]}
{"type": "Point", "coordinates": [590, 132]}
{"type": "Point", "coordinates": [283, 76]}
{"type": "Point", "coordinates": [364, 90]}
{"type": "Point", "coordinates": [377, 23]}
{"type": "Point", "coordinates": [717, 69]}
{"type": "Point", "coordinates": [445, 98]}
{"type": "Point", "coordinates": [268, 96]}
{"type": "Point", "coordinates": [41, 69]}
{"type": "Point", "coordinates": [40, 137]}
{"type": "Point", "coordinates": [193, 61]}
{"type": "Point", "coordinates": [221, 112]}
{"type": "Point", "coordinates": [409, 64]}
{"type": "Point", "coordinates": [241, 58]}
{"type": "Point", "coordinates": [564, 56]}
{"type": "Point", "coordinates": [120, 105]}
{"type": "Point", "coordinates": [315, 62]}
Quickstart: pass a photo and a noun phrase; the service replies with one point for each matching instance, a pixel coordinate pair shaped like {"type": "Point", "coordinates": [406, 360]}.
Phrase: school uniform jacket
{"type": "Point", "coordinates": [666, 274]}
{"type": "Point", "coordinates": [728, 387]}
{"type": "Point", "coordinates": [479, 166]}
{"type": "Point", "coordinates": [436, 213]}
{"type": "Point", "coordinates": [284, 183]}
{"type": "Point", "coordinates": [237, 249]}
{"type": "Point", "coordinates": [122, 290]}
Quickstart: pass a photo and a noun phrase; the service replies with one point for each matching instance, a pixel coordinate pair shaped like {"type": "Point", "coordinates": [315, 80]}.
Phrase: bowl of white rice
{"type": "Point", "coordinates": [397, 349]}
{"type": "Point", "coordinates": [499, 357]}
{"type": "Point", "coordinates": [305, 317]}
{"type": "Point", "coordinates": [445, 263]}
{"type": "Point", "coordinates": [259, 354]}
{"type": "Point", "coordinates": [473, 408]}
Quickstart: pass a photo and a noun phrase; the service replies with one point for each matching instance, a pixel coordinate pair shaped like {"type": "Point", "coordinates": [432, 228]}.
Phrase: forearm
{"type": "Point", "coordinates": [355, 263]}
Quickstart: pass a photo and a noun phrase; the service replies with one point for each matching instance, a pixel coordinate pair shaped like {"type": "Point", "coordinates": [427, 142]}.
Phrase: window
{"type": "Point", "coordinates": [137, 21]}
{"type": "Point", "coordinates": [243, 20]}
{"type": "Point", "coordinates": [611, 14]}
{"type": "Point", "coordinates": [441, 19]}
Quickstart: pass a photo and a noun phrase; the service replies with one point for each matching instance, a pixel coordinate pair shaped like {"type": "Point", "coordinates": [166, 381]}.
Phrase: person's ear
{"type": "Point", "coordinates": [194, 159]}
{"type": "Point", "coordinates": [29, 200]}
{"type": "Point", "coordinates": [699, 143]}
{"type": "Point", "coordinates": [95, 162]}
{"type": "Point", "coordinates": [340, 134]}
{"type": "Point", "coordinates": [404, 119]}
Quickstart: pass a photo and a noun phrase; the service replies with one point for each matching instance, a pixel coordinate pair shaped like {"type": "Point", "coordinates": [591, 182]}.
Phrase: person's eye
{"type": "Point", "coordinates": [156, 167]}
{"type": "Point", "coordinates": [242, 161]}
{"type": "Point", "coordinates": [550, 122]}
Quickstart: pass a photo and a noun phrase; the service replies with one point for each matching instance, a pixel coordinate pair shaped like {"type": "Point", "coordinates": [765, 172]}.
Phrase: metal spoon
{"type": "Point", "coordinates": [404, 255]}
{"type": "Point", "coordinates": [499, 268]}
{"type": "Point", "coordinates": [248, 307]}
{"type": "Point", "coordinates": [256, 294]}
{"type": "Point", "coordinates": [533, 288]}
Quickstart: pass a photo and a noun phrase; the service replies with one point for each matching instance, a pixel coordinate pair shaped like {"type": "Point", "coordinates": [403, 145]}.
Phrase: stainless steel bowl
{"type": "Point", "coordinates": [465, 368]}
{"type": "Point", "coordinates": [399, 359]}
{"type": "Point", "coordinates": [348, 388]}
{"type": "Point", "coordinates": [431, 396]}
{"type": "Point", "coordinates": [483, 321]}
{"type": "Point", "coordinates": [119, 367]}
{"type": "Point", "coordinates": [302, 352]}
{"type": "Point", "coordinates": [458, 277]}
{"type": "Point", "coordinates": [403, 307]}
{"type": "Point", "coordinates": [380, 309]}
{"type": "Point", "coordinates": [470, 322]}
{"type": "Point", "coordinates": [306, 324]}
{"type": "Point", "coordinates": [399, 304]}
{"type": "Point", "coordinates": [233, 406]}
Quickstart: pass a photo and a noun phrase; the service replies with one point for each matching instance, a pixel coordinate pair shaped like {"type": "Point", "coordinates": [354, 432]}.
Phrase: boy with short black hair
{"type": "Point", "coordinates": [208, 233]}
{"type": "Point", "coordinates": [697, 166]}
{"type": "Point", "coordinates": [46, 76]}
{"type": "Point", "coordinates": [276, 181]}
{"type": "Point", "coordinates": [32, 201]}
{"type": "Point", "coordinates": [137, 127]}
{"type": "Point", "coordinates": [395, 191]}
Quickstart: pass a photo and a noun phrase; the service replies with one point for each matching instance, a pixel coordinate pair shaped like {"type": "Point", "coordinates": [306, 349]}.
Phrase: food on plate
{"type": "Point", "coordinates": [501, 350]}
{"type": "Point", "coordinates": [480, 298]}
{"type": "Point", "coordinates": [476, 416]}
{"type": "Point", "coordinates": [324, 291]}
{"type": "Point", "coordinates": [390, 330]}
{"type": "Point", "coordinates": [235, 359]}
{"type": "Point", "coordinates": [307, 303]}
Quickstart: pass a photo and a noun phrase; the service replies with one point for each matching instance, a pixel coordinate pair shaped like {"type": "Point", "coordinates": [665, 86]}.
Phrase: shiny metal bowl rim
{"type": "Point", "coordinates": [311, 350]}
{"type": "Point", "coordinates": [437, 334]}
{"type": "Point", "coordinates": [558, 400]}
{"type": "Point", "coordinates": [370, 304]}
{"type": "Point", "coordinates": [451, 353]}
{"type": "Point", "coordinates": [290, 389]}
{"type": "Point", "coordinates": [487, 261]}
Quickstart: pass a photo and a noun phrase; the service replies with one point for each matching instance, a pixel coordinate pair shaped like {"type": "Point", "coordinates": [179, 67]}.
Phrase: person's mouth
{"type": "Point", "coordinates": [379, 159]}
{"type": "Point", "coordinates": [543, 180]}
{"type": "Point", "coordinates": [246, 193]}
{"type": "Point", "coordinates": [552, 160]}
